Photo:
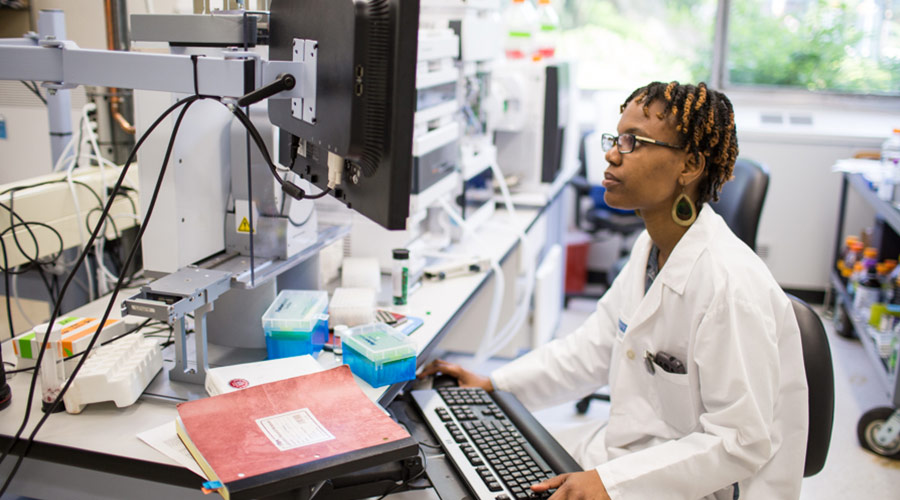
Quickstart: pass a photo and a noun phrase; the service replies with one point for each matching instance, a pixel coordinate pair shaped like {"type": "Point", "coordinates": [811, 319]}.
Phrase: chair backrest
{"type": "Point", "coordinates": [820, 380]}
{"type": "Point", "coordinates": [741, 200]}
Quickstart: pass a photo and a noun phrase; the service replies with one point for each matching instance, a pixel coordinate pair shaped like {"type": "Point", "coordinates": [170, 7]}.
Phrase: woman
{"type": "Point", "coordinates": [697, 342]}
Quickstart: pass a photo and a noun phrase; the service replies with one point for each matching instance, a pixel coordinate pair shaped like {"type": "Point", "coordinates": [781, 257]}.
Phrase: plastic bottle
{"type": "Point", "coordinates": [890, 165]}
{"type": "Point", "coordinates": [547, 35]}
{"type": "Point", "coordinates": [847, 258]}
{"type": "Point", "coordinates": [521, 24]}
{"type": "Point", "coordinates": [870, 257]}
{"type": "Point", "coordinates": [895, 294]}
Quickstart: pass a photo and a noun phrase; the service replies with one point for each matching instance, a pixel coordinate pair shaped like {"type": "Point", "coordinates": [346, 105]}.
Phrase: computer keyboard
{"type": "Point", "coordinates": [494, 442]}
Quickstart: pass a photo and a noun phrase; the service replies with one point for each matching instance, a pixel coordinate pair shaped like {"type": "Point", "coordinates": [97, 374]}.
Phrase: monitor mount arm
{"type": "Point", "coordinates": [61, 65]}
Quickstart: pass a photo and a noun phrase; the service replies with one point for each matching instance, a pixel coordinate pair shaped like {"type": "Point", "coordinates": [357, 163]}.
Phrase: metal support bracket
{"type": "Point", "coordinates": [169, 299]}
{"type": "Point", "coordinates": [307, 53]}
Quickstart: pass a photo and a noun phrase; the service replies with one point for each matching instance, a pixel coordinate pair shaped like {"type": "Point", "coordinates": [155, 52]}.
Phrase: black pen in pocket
{"type": "Point", "coordinates": [665, 361]}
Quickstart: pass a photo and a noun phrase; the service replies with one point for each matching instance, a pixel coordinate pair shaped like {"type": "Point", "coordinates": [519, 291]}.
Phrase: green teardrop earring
{"type": "Point", "coordinates": [684, 213]}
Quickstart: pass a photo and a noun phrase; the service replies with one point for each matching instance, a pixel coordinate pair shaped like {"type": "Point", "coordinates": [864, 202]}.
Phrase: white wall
{"type": "Point", "coordinates": [797, 228]}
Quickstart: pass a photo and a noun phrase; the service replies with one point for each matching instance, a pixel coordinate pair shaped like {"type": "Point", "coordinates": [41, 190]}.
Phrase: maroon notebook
{"type": "Point", "coordinates": [282, 435]}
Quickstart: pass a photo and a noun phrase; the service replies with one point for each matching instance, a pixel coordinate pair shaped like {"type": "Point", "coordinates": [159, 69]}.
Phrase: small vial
{"type": "Point", "coordinates": [53, 374]}
{"type": "Point", "coordinates": [401, 276]}
{"type": "Point", "coordinates": [340, 331]}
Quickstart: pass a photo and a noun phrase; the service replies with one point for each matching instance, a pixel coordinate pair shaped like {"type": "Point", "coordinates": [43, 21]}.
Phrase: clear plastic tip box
{"type": "Point", "coordinates": [379, 354]}
{"type": "Point", "coordinates": [296, 323]}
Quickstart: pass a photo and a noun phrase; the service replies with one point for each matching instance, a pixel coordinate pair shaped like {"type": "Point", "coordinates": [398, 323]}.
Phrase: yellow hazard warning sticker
{"type": "Point", "coordinates": [244, 227]}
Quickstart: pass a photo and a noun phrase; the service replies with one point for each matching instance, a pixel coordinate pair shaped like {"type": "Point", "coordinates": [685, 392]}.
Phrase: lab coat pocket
{"type": "Point", "coordinates": [676, 404]}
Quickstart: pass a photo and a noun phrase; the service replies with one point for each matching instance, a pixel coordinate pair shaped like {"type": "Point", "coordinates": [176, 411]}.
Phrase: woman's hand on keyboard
{"type": "Point", "coordinates": [585, 485]}
{"type": "Point", "coordinates": [465, 377]}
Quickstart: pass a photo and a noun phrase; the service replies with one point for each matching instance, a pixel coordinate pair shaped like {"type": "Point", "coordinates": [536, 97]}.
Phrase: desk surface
{"type": "Point", "coordinates": [103, 437]}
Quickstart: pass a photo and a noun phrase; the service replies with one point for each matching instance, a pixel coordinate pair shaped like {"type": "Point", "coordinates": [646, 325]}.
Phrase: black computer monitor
{"type": "Point", "coordinates": [365, 98]}
{"type": "Point", "coordinates": [556, 117]}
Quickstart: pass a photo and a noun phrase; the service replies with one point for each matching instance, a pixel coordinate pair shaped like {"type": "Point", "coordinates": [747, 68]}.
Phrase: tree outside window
{"type": "Point", "coordinates": [842, 46]}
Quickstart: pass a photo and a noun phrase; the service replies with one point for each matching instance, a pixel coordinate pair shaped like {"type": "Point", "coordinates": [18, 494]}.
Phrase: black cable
{"type": "Point", "coordinates": [12, 216]}
{"type": "Point", "coordinates": [16, 189]}
{"type": "Point", "coordinates": [12, 330]}
{"type": "Point", "coordinates": [289, 188]}
{"type": "Point", "coordinates": [108, 218]}
{"type": "Point", "coordinates": [184, 102]}
{"type": "Point", "coordinates": [55, 181]}
{"type": "Point", "coordinates": [31, 261]}
{"type": "Point", "coordinates": [128, 197]}
{"type": "Point", "coordinates": [35, 263]}
{"type": "Point", "coordinates": [35, 91]}
{"type": "Point", "coordinates": [54, 258]}
{"type": "Point", "coordinates": [406, 482]}
{"type": "Point", "coordinates": [305, 197]}
{"type": "Point", "coordinates": [320, 195]}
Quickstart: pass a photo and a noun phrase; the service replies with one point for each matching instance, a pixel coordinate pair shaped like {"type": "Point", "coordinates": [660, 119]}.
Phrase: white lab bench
{"type": "Point", "coordinates": [96, 454]}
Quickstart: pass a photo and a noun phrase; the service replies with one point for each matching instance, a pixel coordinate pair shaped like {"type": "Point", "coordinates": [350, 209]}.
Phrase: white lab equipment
{"type": "Point", "coordinates": [535, 130]}
{"type": "Point", "coordinates": [118, 372]}
{"type": "Point", "coordinates": [890, 167]}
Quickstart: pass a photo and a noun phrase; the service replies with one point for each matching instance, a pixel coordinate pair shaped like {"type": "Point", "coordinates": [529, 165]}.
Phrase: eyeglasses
{"type": "Point", "coordinates": [626, 142]}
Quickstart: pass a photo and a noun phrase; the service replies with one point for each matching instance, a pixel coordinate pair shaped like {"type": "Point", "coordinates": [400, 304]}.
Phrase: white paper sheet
{"type": "Point", "coordinates": [165, 440]}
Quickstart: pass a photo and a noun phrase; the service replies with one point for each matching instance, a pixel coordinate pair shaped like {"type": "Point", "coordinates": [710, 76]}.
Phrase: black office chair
{"type": "Point", "coordinates": [820, 380]}
{"type": "Point", "coordinates": [741, 199]}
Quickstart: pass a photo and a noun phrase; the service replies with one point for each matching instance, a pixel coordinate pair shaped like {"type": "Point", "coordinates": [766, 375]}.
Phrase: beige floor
{"type": "Point", "coordinates": [850, 472]}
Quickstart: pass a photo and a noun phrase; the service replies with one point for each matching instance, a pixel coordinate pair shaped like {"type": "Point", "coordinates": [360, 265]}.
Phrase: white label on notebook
{"type": "Point", "coordinates": [293, 429]}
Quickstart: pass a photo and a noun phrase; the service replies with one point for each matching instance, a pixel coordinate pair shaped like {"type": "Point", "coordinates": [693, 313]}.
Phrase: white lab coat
{"type": "Point", "coordinates": [740, 413]}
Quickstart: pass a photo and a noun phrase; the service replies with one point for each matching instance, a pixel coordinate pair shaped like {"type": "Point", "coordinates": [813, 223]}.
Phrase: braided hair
{"type": "Point", "coordinates": [705, 119]}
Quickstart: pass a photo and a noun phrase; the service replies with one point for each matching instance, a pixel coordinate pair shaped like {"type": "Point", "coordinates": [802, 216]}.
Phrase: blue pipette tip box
{"type": "Point", "coordinates": [296, 324]}
{"type": "Point", "coordinates": [379, 354]}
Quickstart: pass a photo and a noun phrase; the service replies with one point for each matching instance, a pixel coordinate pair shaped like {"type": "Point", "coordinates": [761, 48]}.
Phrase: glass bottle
{"type": "Point", "coordinates": [400, 276]}
{"type": "Point", "coordinates": [868, 292]}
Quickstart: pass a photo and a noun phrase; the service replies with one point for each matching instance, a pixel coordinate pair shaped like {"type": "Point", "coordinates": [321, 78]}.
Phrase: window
{"type": "Point", "coordinates": [837, 46]}
{"type": "Point", "coordinates": [848, 46]}
{"type": "Point", "coordinates": [623, 45]}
